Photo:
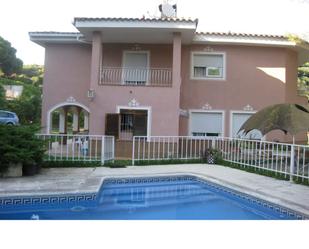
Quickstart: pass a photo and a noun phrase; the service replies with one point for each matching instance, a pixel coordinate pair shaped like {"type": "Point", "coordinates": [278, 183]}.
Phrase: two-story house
{"type": "Point", "coordinates": [158, 76]}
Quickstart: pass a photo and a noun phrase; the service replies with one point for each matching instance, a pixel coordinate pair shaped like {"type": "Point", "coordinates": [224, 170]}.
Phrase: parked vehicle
{"type": "Point", "coordinates": [8, 118]}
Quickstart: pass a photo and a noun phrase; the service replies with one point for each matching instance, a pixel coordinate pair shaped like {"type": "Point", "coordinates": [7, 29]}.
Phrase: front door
{"type": "Point", "coordinates": [132, 123]}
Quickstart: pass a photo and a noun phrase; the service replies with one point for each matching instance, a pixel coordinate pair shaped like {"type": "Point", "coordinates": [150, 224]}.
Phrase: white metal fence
{"type": "Point", "coordinates": [78, 147]}
{"type": "Point", "coordinates": [291, 160]}
{"type": "Point", "coordinates": [288, 159]}
{"type": "Point", "coordinates": [136, 76]}
{"type": "Point", "coordinates": [169, 147]}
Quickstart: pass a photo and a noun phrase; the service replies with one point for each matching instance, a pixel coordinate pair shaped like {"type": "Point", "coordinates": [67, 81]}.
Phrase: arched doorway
{"type": "Point", "coordinates": [68, 118]}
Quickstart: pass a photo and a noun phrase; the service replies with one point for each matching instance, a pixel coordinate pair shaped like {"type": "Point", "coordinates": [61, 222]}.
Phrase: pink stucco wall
{"type": "Point", "coordinates": [246, 83]}
{"type": "Point", "coordinates": [160, 54]}
{"type": "Point", "coordinates": [164, 101]}
{"type": "Point", "coordinates": [68, 73]}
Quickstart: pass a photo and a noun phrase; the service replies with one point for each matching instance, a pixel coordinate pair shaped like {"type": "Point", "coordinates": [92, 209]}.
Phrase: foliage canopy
{"type": "Point", "coordinates": [9, 63]}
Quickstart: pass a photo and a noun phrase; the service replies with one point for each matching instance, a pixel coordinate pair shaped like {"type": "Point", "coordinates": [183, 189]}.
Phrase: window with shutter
{"type": "Point", "coordinates": [206, 65]}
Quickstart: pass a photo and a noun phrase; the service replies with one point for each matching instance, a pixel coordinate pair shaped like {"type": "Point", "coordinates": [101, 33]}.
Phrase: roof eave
{"type": "Point", "coordinates": [43, 38]}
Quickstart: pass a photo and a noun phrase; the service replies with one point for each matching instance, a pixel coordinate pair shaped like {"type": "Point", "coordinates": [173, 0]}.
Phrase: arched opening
{"type": "Point", "coordinates": [68, 118]}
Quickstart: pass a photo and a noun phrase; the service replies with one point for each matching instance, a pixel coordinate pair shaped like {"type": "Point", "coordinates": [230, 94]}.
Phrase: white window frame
{"type": "Point", "coordinates": [126, 52]}
{"type": "Point", "coordinates": [223, 78]}
{"type": "Point", "coordinates": [206, 111]}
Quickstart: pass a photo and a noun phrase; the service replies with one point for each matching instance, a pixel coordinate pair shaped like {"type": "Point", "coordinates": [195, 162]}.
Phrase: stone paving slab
{"type": "Point", "coordinates": [85, 180]}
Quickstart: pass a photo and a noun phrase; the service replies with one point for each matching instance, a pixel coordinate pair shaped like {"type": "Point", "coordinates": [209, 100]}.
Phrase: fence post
{"type": "Point", "coordinates": [102, 150]}
{"type": "Point", "coordinates": [213, 142]}
{"type": "Point", "coordinates": [292, 163]}
{"type": "Point", "coordinates": [133, 148]}
{"type": "Point", "coordinates": [113, 148]}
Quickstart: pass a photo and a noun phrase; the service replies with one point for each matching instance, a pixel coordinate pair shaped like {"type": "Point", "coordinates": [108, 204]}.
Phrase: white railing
{"type": "Point", "coordinates": [289, 160]}
{"type": "Point", "coordinates": [108, 149]}
{"type": "Point", "coordinates": [136, 76]}
{"type": "Point", "coordinates": [64, 147]}
{"type": "Point", "coordinates": [169, 147]}
{"type": "Point", "coordinates": [276, 157]}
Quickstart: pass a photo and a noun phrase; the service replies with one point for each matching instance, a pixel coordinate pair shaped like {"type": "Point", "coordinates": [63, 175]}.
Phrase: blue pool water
{"type": "Point", "coordinates": [155, 198]}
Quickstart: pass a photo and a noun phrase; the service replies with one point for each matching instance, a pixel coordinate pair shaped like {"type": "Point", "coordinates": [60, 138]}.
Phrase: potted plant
{"type": "Point", "coordinates": [211, 156]}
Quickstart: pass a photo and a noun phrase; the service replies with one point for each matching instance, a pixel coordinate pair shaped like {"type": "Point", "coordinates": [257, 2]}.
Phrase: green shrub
{"type": "Point", "coordinates": [70, 164]}
{"type": "Point", "coordinates": [18, 144]}
{"type": "Point", "coordinates": [167, 161]}
{"type": "Point", "coordinates": [85, 164]}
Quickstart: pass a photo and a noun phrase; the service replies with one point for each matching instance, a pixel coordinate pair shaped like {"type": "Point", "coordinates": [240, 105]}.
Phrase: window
{"type": "Point", "coordinates": [209, 124]}
{"type": "Point", "coordinates": [208, 65]}
{"type": "Point", "coordinates": [6, 115]}
{"type": "Point", "coordinates": [126, 123]}
{"type": "Point", "coordinates": [204, 134]}
{"type": "Point", "coordinates": [135, 67]}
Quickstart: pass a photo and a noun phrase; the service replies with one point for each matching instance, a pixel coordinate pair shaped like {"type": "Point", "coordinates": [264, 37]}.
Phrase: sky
{"type": "Point", "coordinates": [19, 17]}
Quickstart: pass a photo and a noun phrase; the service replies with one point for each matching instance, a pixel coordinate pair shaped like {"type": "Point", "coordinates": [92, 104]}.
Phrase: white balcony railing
{"type": "Point", "coordinates": [136, 76]}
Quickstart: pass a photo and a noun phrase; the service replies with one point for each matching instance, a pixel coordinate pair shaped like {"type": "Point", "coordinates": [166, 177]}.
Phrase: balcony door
{"type": "Point", "coordinates": [135, 67]}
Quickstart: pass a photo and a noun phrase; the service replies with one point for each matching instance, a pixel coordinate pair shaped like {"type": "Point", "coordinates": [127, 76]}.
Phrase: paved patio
{"type": "Point", "coordinates": [74, 180]}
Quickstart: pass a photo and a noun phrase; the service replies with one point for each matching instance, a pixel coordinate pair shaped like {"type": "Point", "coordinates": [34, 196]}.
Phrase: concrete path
{"type": "Point", "coordinates": [76, 180]}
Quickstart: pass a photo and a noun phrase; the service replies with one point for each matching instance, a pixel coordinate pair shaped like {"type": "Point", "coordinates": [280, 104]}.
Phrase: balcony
{"type": "Point", "coordinates": [155, 77]}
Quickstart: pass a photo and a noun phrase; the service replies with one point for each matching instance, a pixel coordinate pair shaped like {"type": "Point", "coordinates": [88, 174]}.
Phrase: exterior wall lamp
{"type": "Point", "coordinates": [91, 94]}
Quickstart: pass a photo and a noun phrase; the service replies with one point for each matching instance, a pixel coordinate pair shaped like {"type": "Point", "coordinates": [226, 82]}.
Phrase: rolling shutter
{"type": "Point", "coordinates": [209, 60]}
{"type": "Point", "coordinates": [206, 123]}
{"type": "Point", "coordinates": [238, 119]}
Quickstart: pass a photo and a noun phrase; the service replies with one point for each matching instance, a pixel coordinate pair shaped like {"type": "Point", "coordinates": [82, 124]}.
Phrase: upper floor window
{"type": "Point", "coordinates": [135, 69]}
{"type": "Point", "coordinates": [208, 65]}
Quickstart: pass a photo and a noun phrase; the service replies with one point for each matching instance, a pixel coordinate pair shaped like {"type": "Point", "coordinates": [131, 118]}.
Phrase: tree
{"type": "Point", "coordinates": [303, 79]}
{"type": "Point", "coordinates": [2, 98]}
{"type": "Point", "coordinates": [28, 105]}
{"type": "Point", "coordinates": [30, 74]}
{"type": "Point", "coordinates": [9, 63]}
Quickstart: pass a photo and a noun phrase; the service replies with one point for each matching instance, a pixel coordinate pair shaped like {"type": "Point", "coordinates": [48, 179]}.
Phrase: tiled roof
{"type": "Point", "coordinates": [242, 35]}
{"type": "Point", "coordinates": [144, 19]}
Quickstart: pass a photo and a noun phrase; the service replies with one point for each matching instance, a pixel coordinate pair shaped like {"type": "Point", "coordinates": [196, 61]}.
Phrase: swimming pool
{"type": "Point", "coordinates": [148, 198]}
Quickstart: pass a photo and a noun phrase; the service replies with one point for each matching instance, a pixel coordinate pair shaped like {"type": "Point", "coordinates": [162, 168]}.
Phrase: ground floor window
{"type": "Point", "coordinates": [204, 134]}
{"type": "Point", "coordinates": [206, 123]}
{"type": "Point", "coordinates": [126, 123]}
{"type": "Point", "coordinates": [237, 120]}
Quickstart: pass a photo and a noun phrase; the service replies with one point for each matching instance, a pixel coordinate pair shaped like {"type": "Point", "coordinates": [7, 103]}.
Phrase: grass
{"type": "Point", "coordinates": [263, 172]}
{"type": "Point", "coordinates": [85, 164]}
{"type": "Point", "coordinates": [168, 161]}
{"type": "Point", "coordinates": [251, 169]}
{"type": "Point", "coordinates": [114, 164]}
